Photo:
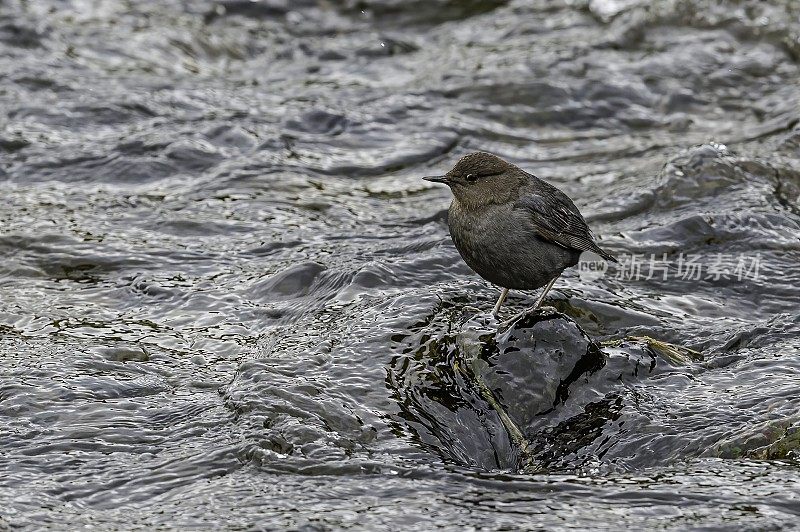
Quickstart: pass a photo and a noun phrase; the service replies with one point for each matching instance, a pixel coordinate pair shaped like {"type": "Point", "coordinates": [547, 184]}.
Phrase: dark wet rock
{"type": "Point", "coordinates": [785, 447]}
{"type": "Point", "coordinates": [445, 411]}
{"type": "Point", "coordinates": [563, 398]}
{"type": "Point", "coordinates": [773, 440]}
{"type": "Point", "coordinates": [563, 393]}
{"type": "Point", "coordinates": [442, 406]}
{"type": "Point", "coordinates": [531, 366]}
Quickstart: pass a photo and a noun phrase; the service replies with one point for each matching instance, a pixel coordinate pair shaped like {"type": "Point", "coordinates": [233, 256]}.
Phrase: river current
{"type": "Point", "coordinates": [228, 301]}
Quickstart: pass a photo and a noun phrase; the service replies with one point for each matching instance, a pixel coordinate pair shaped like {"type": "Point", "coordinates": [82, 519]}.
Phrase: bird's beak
{"type": "Point", "coordinates": [437, 179]}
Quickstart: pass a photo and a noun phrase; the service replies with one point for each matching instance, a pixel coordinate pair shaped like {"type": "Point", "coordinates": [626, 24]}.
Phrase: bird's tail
{"type": "Point", "coordinates": [605, 254]}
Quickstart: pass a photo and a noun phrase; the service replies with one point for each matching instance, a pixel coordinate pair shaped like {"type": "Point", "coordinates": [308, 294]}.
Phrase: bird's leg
{"type": "Point", "coordinates": [544, 292]}
{"type": "Point", "coordinates": [535, 305]}
{"type": "Point", "coordinates": [499, 303]}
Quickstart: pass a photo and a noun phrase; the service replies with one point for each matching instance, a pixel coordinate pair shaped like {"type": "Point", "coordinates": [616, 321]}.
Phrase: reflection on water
{"type": "Point", "coordinates": [228, 300]}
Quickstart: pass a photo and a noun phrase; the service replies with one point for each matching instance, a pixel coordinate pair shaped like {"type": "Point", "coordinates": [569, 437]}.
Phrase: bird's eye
{"type": "Point", "coordinates": [471, 177]}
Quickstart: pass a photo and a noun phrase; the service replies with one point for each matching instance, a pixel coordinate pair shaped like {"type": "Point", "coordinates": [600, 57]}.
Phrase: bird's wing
{"type": "Point", "coordinates": [557, 219]}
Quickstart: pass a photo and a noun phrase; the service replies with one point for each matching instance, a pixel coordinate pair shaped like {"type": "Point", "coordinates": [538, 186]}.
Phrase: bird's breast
{"type": "Point", "coordinates": [488, 227]}
{"type": "Point", "coordinates": [501, 245]}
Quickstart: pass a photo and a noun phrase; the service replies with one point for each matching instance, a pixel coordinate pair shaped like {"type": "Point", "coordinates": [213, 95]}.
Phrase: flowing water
{"type": "Point", "coordinates": [228, 301]}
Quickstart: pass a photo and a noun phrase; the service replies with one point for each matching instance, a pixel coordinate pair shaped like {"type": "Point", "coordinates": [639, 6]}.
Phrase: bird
{"type": "Point", "coordinates": [512, 228]}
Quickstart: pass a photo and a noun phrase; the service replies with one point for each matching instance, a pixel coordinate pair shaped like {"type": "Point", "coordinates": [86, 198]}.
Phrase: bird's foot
{"type": "Point", "coordinates": [547, 309]}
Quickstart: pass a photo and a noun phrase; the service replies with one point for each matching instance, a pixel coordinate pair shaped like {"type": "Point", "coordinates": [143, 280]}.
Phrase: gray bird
{"type": "Point", "coordinates": [512, 228]}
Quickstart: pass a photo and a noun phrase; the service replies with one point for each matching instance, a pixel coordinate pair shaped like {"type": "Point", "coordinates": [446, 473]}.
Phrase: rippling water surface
{"type": "Point", "coordinates": [228, 300]}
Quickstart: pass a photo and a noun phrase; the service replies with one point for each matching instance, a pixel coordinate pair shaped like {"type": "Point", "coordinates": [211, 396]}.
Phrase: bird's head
{"type": "Point", "coordinates": [480, 179]}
